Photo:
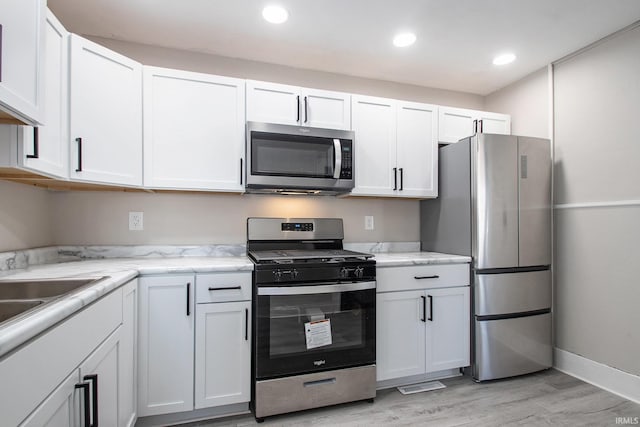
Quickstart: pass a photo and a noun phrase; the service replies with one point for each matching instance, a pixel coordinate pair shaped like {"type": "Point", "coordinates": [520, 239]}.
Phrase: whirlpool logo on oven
{"type": "Point", "coordinates": [319, 362]}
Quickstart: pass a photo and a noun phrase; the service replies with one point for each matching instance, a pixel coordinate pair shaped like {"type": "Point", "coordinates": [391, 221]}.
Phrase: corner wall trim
{"type": "Point", "coordinates": [611, 204]}
{"type": "Point", "coordinates": [611, 379]}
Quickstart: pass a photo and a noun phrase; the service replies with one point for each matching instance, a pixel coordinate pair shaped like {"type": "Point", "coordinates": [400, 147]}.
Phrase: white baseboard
{"type": "Point", "coordinates": [611, 379]}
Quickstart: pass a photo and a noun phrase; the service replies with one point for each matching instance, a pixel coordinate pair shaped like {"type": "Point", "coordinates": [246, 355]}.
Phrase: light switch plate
{"type": "Point", "coordinates": [368, 222]}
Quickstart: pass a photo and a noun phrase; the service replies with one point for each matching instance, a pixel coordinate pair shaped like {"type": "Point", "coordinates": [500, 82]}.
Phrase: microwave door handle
{"type": "Point", "coordinates": [337, 151]}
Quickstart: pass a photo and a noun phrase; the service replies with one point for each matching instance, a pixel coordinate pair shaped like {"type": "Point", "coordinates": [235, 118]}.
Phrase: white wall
{"type": "Point", "coordinates": [24, 217]}
{"type": "Point", "coordinates": [597, 152]}
{"type": "Point", "coordinates": [101, 218]}
{"type": "Point", "coordinates": [241, 68]}
{"type": "Point", "coordinates": [527, 100]}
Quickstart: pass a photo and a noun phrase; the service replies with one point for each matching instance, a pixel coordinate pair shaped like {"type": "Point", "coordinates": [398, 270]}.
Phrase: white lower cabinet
{"type": "Point", "coordinates": [165, 344]}
{"type": "Point", "coordinates": [421, 331]}
{"type": "Point", "coordinates": [87, 364]}
{"type": "Point", "coordinates": [223, 354]}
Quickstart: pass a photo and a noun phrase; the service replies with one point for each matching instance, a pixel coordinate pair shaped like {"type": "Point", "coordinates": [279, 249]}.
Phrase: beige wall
{"type": "Point", "coordinates": [527, 100]}
{"type": "Point", "coordinates": [99, 218]}
{"type": "Point", "coordinates": [24, 217]}
{"type": "Point", "coordinates": [233, 67]}
{"type": "Point", "coordinates": [597, 151]}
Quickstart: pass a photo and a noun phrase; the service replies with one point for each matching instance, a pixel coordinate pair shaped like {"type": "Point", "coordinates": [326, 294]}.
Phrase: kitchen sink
{"type": "Point", "coordinates": [21, 296]}
{"type": "Point", "coordinates": [9, 309]}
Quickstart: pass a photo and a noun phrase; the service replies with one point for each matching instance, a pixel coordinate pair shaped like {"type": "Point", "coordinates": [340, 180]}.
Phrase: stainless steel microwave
{"type": "Point", "coordinates": [298, 160]}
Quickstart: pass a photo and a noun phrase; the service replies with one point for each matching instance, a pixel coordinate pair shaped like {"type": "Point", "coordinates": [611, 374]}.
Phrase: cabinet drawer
{"type": "Point", "coordinates": [27, 379]}
{"type": "Point", "coordinates": [223, 287]}
{"type": "Point", "coordinates": [422, 277]}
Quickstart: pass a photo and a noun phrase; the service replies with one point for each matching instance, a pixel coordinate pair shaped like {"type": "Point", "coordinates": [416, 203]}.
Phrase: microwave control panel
{"type": "Point", "coordinates": [346, 172]}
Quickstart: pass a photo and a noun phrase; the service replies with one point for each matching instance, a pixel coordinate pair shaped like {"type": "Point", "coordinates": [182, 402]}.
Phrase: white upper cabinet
{"type": "Point", "coordinates": [417, 149]}
{"type": "Point", "coordinates": [46, 149]}
{"type": "Point", "coordinates": [458, 123]}
{"type": "Point", "coordinates": [374, 124]}
{"type": "Point", "coordinates": [193, 130]}
{"type": "Point", "coordinates": [106, 115]}
{"type": "Point", "coordinates": [293, 105]}
{"type": "Point", "coordinates": [22, 24]}
{"type": "Point", "coordinates": [396, 148]}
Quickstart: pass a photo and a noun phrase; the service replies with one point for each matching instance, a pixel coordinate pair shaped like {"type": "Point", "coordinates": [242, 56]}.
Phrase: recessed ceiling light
{"type": "Point", "coordinates": [275, 14]}
{"type": "Point", "coordinates": [504, 59]}
{"type": "Point", "coordinates": [404, 39]}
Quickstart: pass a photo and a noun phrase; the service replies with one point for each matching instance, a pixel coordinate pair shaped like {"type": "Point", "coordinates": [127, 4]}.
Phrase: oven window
{"type": "Point", "coordinates": [286, 155]}
{"type": "Point", "coordinates": [336, 318]}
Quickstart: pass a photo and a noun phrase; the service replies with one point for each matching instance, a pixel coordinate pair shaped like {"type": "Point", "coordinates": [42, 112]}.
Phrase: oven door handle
{"type": "Point", "coordinates": [316, 289]}
{"type": "Point", "coordinates": [337, 164]}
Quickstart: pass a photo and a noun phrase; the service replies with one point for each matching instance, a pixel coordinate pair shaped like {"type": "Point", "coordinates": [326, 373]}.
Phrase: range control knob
{"type": "Point", "coordinates": [358, 272]}
{"type": "Point", "coordinates": [277, 274]}
{"type": "Point", "coordinates": [344, 273]}
{"type": "Point", "coordinates": [294, 273]}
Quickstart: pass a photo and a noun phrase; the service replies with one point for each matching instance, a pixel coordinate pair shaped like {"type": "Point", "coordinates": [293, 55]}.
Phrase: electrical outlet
{"type": "Point", "coordinates": [136, 221]}
{"type": "Point", "coordinates": [368, 222]}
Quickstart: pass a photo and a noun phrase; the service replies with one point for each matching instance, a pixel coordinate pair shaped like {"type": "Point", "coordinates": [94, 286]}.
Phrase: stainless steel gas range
{"type": "Point", "coordinates": [314, 316]}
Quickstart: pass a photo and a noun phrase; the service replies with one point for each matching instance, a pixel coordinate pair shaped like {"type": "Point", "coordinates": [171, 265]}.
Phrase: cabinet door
{"type": "Point", "coordinates": [165, 344]}
{"type": "Point", "coordinates": [448, 319]}
{"type": "Point", "coordinates": [101, 371]}
{"type": "Point", "coordinates": [374, 123]}
{"type": "Point", "coordinates": [46, 149]}
{"type": "Point", "coordinates": [61, 408]}
{"type": "Point", "coordinates": [223, 354]}
{"type": "Point", "coordinates": [106, 115]}
{"type": "Point", "coordinates": [128, 382]}
{"type": "Point", "coordinates": [417, 150]}
{"type": "Point", "coordinates": [325, 109]}
{"type": "Point", "coordinates": [400, 334]}
{"type": "Point", "coordinates": [21, 59]}
{"type": "Point", "coordinates": [193, 130]}
{"type": "Point", "coordinates": [273, 103]}
{"type": "Point", "coordinates": [494, 122]}
{"type": "Point", "coordinates": [455, 124]}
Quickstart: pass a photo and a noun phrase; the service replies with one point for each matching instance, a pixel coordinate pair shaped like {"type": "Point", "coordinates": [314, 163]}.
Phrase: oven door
{"type": "Point", "coordinates": [312, 328]}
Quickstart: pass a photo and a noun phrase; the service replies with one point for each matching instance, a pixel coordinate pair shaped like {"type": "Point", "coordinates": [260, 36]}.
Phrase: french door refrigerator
{"type": "Point", "coordinates": [494, 205]}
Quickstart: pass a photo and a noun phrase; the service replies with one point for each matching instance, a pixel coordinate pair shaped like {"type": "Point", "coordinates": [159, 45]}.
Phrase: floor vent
{"type": "Point", "coordinates": [417, 388]}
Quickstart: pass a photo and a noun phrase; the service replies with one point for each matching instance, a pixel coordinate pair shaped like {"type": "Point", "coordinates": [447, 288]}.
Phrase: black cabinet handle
{"type": "Point", "coordinates": [424, 309]}
{"type": "Point", "coordinates": [188, 299]}
{"type": "Point", "coordinates": [298, 108]}
{"type": "Point", "coordinates": [94, 388]}
{"type": "Point", "coordinates": [87, 407]}
{"type": "Point", "coordinates": [79, 141]}
{"type": "Point", "coordinates": [401, 179]}
{"type": "Point", "coordinates": [475, 126]}
{"type": "Point", "coordinates": [36, 144]}
{"type": "Point", "coordinates": [225, 289]}
{"type": "Point", "coordinates": [246, 324]}
{"type": "Point", "coordinates": [0, 52]}
{"type": "Point", "coordinates": [395, 178]}
{"type": "Point", "coordinates": [240, 171]}
{"type": "Point", "coordinates": [481, 126]}
{"type": "Point", "coordinates": [306, 107]}
{"type": "Point", "coordinates": [430, 318]}
{"type": "Point", "coordinates": [426, 277]}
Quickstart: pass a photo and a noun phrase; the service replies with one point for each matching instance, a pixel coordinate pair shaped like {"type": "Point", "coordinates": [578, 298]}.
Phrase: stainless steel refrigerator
{"type": "Point", "coordinates": [494, 204]}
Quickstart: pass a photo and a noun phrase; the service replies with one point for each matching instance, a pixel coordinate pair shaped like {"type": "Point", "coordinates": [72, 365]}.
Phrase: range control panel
{"type": "Point", "coordinates": [297, 226]}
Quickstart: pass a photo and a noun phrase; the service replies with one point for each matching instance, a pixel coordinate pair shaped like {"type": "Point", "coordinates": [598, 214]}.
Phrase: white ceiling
{"type": "Point", "coordinates": [457, 39]}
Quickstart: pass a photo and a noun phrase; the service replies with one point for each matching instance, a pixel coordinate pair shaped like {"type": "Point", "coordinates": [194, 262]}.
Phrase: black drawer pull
{"type": "Point", "coordinates": [189, 299]}
{"type": "Point", "coordinates": [94, 389]}
{"type": "Point", "coordinates": [426, 277]}
{"type": "Point", "coordinates": [430, 318]}
{"type": "Point", "coordinates": [87, 404]}
{"type": "Point", "coordinates": [424, 308]}
{"type": "Point", "coordinates": [246, 324]}
{"type": "Point", "coordinates": [225, 289]}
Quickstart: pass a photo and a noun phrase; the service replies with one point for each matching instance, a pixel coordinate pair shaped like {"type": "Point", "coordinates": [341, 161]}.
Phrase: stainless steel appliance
{"type": "Point", "coordinates": [494, 204]}
{"type": "Point", "coordinates": [314, 316]}
{"type": "Point", "coordinates": [296, 159]}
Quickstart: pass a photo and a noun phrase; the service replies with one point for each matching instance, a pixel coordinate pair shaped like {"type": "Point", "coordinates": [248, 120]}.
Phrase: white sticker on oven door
{"type": "Point", "coordinates": [318, 333]}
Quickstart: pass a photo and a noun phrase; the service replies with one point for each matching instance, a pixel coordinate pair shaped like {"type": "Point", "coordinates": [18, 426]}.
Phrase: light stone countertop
{"type": "Point", "coordinates": [122, 270]}
{"type": "Point", "coordinates": [398, 259]}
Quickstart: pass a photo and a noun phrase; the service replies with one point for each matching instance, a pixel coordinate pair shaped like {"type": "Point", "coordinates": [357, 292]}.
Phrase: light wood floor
{"type": "Point", "coordinates": [548, 398]}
